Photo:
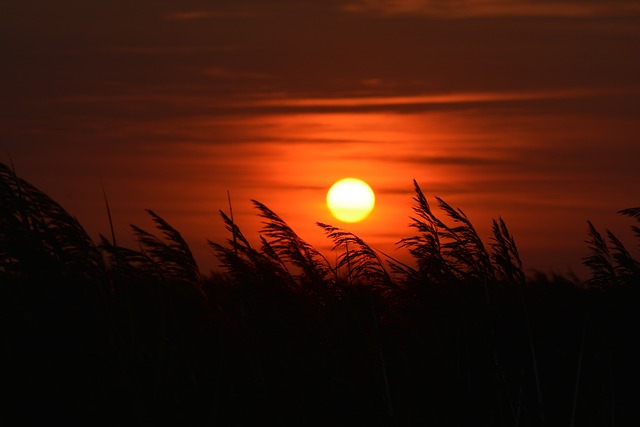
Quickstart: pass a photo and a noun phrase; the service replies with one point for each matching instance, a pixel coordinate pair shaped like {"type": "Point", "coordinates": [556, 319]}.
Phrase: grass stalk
{"type": "Point", "coordinates": [578, 372]}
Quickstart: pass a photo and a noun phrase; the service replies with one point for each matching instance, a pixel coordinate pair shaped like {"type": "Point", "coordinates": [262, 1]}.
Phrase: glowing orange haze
{"type": "Point", "coordinates": [525, 109]}
{"type": "Point", "coordinates": [489, 164]}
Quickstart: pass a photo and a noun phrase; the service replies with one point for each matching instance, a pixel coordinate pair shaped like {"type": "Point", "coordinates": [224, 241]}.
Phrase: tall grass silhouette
{"type": "Point", "coordinates": [610, 263]}
{"type": "Point", "coordinates": [104, 334]}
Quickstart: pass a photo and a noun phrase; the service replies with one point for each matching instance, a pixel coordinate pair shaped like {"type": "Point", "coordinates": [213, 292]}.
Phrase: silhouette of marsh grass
{"type": "Point", "coordinates": [103, 334]}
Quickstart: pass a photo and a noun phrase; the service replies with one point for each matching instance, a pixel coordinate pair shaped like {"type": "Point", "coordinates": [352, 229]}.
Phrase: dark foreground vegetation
{"type": "Point", "coordinates": [98, 334]}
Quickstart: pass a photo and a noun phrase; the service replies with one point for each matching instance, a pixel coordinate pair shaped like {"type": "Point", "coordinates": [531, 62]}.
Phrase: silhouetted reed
{"type": "Point", "coordinates": [611, 264]}
{"type": "Point", "coordinates": [459, 336]}
{"type": "Point", "coordinates": [362, 262]}
{"type": "Point", "coordinates": [446, 253]}
{"type": "Point", "coordinates": [38, 237]}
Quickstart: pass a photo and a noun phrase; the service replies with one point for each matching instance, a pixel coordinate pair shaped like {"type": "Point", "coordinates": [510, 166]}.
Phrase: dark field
{"type": "Point", "coordinates": [98, 334]}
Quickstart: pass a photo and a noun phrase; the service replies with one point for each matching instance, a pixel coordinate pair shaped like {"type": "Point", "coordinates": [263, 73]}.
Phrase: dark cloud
{"type": "Point", "coordinates": [457, 9]}
{"type": "Point", "coordinates": [451, 160]}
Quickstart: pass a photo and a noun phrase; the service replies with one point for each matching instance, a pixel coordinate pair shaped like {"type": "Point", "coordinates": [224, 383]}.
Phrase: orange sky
{"type": "Point", "coordinates": [525, 110]}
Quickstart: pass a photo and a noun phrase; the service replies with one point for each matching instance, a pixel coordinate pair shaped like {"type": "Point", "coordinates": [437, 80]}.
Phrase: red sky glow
{"type": "Point", "coordinates": [524, 110]}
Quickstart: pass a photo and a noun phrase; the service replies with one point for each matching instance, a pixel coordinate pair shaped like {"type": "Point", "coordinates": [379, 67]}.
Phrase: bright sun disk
{"type": "Point", "coordinates": [350, 200]}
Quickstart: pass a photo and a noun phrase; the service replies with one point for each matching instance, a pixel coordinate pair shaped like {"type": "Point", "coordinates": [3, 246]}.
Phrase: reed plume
{"type": "Point", "coordinates": [505, 256]}
{"type": "Point", "coordinates": [286, 246]}
{"type": "Point", "coordinates": [245, 263]}
{"type": "Point", "coordinates": [611, 263]}
{"type": "Point", "coordinates": [363, 262]}
{"type": "Point", "coordinates": [37, 236]}
{"type": "Point", "coordinates": [426, 247]}
{"type": "Point", "coordinates": [444, 252]}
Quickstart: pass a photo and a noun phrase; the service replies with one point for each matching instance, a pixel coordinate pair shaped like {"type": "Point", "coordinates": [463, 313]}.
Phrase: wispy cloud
{"type": "Point", "coordinates": [453, 98]}
{"type": "Point", "coordinates": [451, 160]}
{"type": "Point", "coordinates": [225, 73]}
{"type": "Point", "coordinates": [454, 9]}
{"type": "Point", "coordinates": [193, 15]}
{"type": "Point", "coordinates": [198, 99]}
{"type": "Point", "coordinates": [166, 50]}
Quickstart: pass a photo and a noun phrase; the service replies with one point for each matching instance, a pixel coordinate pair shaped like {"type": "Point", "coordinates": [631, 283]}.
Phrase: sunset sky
{"type": "Point", "coordinates": [528, 110]}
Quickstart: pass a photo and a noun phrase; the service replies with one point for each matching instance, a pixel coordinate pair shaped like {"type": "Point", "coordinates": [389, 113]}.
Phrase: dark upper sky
{"type": "Point", "coordinates": [523, 109]}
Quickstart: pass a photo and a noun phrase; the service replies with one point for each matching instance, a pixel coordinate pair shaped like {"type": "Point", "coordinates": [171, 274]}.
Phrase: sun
{"type": "Point", "coordinates": [350, 200]}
